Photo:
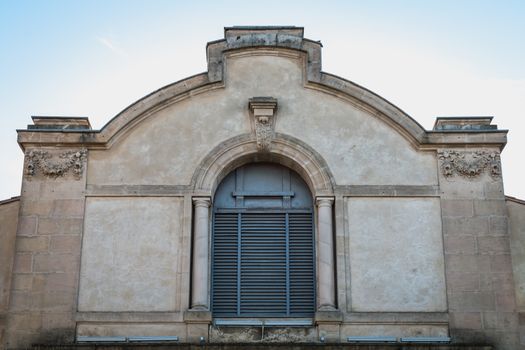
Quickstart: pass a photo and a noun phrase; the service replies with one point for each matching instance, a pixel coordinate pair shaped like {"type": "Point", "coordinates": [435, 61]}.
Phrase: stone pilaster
{"type": "Point", "coordinates": [198, 317]}
{"type": "Point", "coordinates": [47, 251]}
{"type": "Point", "coordinates": [325, 249]}
{"type": "Point", "coordinates": [327, 317]}
{"type": "Point", "coordinates": [477, 252]}
{"type": "Point", "coordinates": [200, 290]}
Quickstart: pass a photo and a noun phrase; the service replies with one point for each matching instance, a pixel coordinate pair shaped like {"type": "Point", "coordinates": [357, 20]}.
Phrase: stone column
{"type": "Point", "coordinates": [199, 292]}
{"type": "Point", "coordinates": [325, 246]}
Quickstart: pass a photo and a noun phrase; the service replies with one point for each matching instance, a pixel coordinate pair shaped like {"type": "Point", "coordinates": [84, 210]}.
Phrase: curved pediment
{"type": "Point", "coordinates": [285, 42]}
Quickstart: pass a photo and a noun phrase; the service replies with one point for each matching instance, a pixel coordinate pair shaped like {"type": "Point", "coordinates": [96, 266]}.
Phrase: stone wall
{"type": "Point", "coordinates": [480, 285]}
{"type": "Point", "coordinates": [516, 209]}
{"type": "Point", "coordinates": [47, 253]}
{"type": "Point", "coordinates": [8, 224]}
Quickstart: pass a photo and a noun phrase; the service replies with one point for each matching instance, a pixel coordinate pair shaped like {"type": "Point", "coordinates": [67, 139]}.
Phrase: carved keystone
{"type": "Point", "coordinates": [263, 110]}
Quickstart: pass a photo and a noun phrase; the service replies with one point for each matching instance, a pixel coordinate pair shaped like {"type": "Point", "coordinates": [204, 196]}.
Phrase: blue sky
{"type": "Point", "coordinates": [93, 58]}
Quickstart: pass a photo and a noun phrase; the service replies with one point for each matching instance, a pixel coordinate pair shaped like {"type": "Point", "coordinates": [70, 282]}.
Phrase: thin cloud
{"type": "Point", "coordinates": [107, 43]}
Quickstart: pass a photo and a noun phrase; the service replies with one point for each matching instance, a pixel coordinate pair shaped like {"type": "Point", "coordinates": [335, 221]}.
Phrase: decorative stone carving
{"type": "Point", "coordinates": [470, 164]}
{"type": "Point", "coordinates": [39, 161]}
{"type": "Point", "coordinates": [263, 109]}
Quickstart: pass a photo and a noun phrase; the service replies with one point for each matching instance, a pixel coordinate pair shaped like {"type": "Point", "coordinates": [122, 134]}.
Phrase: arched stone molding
{"type": "Point", "coordinates": [274, 41]}
{"type": "Point", "coordinates": [285, 150]}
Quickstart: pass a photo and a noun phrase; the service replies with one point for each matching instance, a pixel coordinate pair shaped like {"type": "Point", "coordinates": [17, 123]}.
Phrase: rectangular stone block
{"type": "Point", "coordinates": [58, 320]}
{"type": "Point", "coordinates": [494, 190]}
{"type": "Point", "coordinates": [59, 301]}
{"type": "Point", "coordinates": [21, 301]}
{"type": "Point", "coordinates": [500, 320]}
{"type": "Point", "coordinates": [465, 226]}
{"type": "Point", "coordinates": [22, 282]}
{"type": "Point", "coordinates": [463, 281]}
{"type": "Point", "coordinates": [25, 321]}
{"type": "Point", "coordinates": [499, 225]}
{"type": "Point", "coordinates": [66, 243]}
{"type": "Point", "coordinates": [59, 226]}
{"type": "Point", "coordinates": [32, 244]}
{"type": "Point", "coordinates": [61, 281]}
{"type": "Point", "coordinates": [55, 262]}
{"type": "Point", "coordinates": [23, 263]}
{"type": "Point", "coordinates": [472, 301]}
{"type": "Point", "coordinates": [500, 263]}
{"type": "Point", "coordinates": [68, 207]}
{"type": "Point", "coordinates": [27, 226]}
{"type": "Point", "coordinates": [490, 207]}
{"type": "Point", "coordinates": [465, 320]}
{"type": "Point", "coordinates": [451, 207]}
{"type": "Point", "coordinates": [38, 207]}
{"type": "Point", "coordinates": [468, 263]}
{"type": "Point", "coordinates": [494, 245]}
{"type": "Point", "coordinates": [505, 301]}
{"type": "Point", "coordinates": [460, 245]}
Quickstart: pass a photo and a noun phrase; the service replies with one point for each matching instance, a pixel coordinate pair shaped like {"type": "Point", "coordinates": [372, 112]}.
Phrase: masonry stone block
{"type": "Point", "coordinates": [490, 207]}
{"type": "Point", "coordinates": [23, 263]}
{"type": "Point", "coordinates": [463, 281]}
{"type": "Point", "coordinates": [499, 225]}
{"type": "Point", "coordinates": [32, 244]}
{"type": "Point", "coordinates": [466, 320]}
{"type": "Point", "coordinates": [465, 225]}
{"type": "Point", "coordinates": [505, 301]}
{"type": "Point", "coordinates": [500, 263]}
{"type": "Point", "coordinates": [460, 245]}
{"type": "Point", "coordinates": [27, 225]}
{"type": "Point", "coordinates": [493, 245]}
{"type": "Point", "coordinates": [457, 207]}
{"type": "Point", "coordinates": [58, 262]}
{"type": "Point", "coordinates": [472, 301]}
{"type": "Point", "coordinates": [59, 226]}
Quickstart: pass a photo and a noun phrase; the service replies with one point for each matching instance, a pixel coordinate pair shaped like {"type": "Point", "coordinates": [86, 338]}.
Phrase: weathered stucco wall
{"type": "Point", "coordinates": [131, 254]}
{"type": "Point", "coordinates": [8, 225]}
{"type": "Point", "coordinates": [395, 257]}
{"type": "Point", "coordinates": [516, 210]}
{"type": "Point", "coordinates": [358, 147]}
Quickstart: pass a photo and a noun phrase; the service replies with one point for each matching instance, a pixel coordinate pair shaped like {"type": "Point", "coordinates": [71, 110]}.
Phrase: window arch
{"type": "Point", "coordinates": [263, 259]}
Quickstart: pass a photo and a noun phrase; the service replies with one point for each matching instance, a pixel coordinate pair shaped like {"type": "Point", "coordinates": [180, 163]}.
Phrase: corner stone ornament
{"type": "Point", "coordinates": [39, 161]}
{"type": "Point", "coordinates": [470, 164]}
{"type": "Point", "coordinates": [263, 109]}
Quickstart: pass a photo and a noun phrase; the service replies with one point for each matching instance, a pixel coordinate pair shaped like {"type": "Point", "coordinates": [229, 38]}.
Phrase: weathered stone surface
{"type": "Point", "coordinates": [8, 225]}
{"type": "Point", "coordinates": [395, 243]}
{"type": "Point", "coordinates": [517, 238]}
{"type": "Point", "coordinates": [131, 163]}
{"type": "Point", "coordinates": [130, 245]}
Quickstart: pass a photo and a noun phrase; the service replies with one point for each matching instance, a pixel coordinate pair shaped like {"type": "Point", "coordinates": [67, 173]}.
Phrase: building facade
{"type": "Point", "coordinates": [262, 201]}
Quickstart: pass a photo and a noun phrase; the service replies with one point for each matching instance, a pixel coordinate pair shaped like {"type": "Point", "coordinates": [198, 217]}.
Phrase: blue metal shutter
{"type": "Point", "coordinates": [263, 264]}
{"type": "Point", "coordinates": [225, 247]}
{"type": "Point", "coordinates": [302, 272]}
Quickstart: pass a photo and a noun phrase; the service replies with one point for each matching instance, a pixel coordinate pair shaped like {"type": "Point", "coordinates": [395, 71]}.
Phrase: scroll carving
{"type": "Point", "coordinates": [264, 133]}
{"type": "Point", "coordinates": [43, 162]}
{"type": "Point", "coordinates": [263, 109]}
{"type": "Point", "coordinates": [470, 164]}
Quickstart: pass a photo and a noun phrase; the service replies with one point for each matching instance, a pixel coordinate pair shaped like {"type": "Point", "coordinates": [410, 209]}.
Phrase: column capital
{"type": "Point", "coordinates": [324, 201]}
{"type": "Point", "coordinates": [202, 201]}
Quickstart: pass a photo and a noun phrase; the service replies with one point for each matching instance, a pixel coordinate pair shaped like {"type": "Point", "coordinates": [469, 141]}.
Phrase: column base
{"type": "Point", "coordinates": [197, 325]}
{"type": "Point", "coordinates": [329, 325]}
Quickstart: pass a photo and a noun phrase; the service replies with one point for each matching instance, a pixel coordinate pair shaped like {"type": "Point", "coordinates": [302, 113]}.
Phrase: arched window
{"type": "Point", "coordinates": [262, 244]}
